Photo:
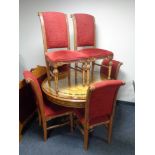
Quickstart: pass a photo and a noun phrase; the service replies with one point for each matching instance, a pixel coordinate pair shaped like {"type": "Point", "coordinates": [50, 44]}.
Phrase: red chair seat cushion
{"type": "Point", "coordinates": [64, 56]}
{"type": "Point", "coordinates": [80, 113]}
{"type": "Point", "coordinates": [52, 109]}
{"type": "Point", "coordinates": [96, 52]}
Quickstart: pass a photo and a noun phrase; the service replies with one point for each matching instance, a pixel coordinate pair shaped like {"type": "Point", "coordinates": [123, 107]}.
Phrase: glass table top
{"type": "Point", "coordinates": [73, 89]}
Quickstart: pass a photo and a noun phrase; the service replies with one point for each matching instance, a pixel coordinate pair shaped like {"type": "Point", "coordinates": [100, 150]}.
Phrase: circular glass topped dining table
{"type": "Point", "coordinates": [72, 93]}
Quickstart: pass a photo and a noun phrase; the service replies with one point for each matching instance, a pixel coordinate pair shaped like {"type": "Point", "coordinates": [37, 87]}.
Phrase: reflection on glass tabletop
{"type": "Point", "coordinates": [73, 89]}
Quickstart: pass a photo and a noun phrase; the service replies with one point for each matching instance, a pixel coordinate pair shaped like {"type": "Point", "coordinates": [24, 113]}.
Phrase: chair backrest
{"type": "Point", "coordinates": [84, 30]}
{"type": "Point", "coordinates": [30, 78]}
{"type": "Point", "coordinates": [101, 100]}
{"type": "Point", "coordinates": [115, 68]}
{"type": "Point", "coordinates": [54, 29]}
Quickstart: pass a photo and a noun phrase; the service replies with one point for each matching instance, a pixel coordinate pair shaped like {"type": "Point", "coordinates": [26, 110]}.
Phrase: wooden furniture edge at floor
{"type": "Point", "coordinates": [39, 72]}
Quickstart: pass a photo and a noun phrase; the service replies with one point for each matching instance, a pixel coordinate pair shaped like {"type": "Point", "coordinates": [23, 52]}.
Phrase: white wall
{"type": "Point", "coordinates": [115, 32]}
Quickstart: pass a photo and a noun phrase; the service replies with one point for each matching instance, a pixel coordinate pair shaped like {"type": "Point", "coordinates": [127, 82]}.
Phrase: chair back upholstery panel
{"type": "Point", "coordinates": [85, 29]}
{"type": "Point", "coordinates": [101, 99]}
{"type": "Point", "coordinates": [37, 91]}
{"type": "Point", "coordinates": [56, 29]}
{"type": "Point", "coordinates": [26, 102]}
{"type": "Point", "coordinates": [115, 68]}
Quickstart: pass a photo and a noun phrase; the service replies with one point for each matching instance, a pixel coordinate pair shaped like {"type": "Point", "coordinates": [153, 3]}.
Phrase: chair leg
{"type": "Point", "coordinates": [75, 121]}
{"type": "Point", "coordinates": [56, 73]}
{"type": "Point", "coordinates": [69, 78]}
{"type": "Point", "coordinates": [45, 130]}
{"type": "Point", "coordinates": [83, 74]}
{"type": "Point", "coordinates": [92, 71]}
{"type": "Point", "coordinates": [71, 122]}
{"type": "Point", "coordinates": [76, 65]}
{"type": "Point", "coordinates": [20, 131]}
{"type": "Point", "coordinates": [86, 138]}
{"type": "Point", "coordinates": [88, 73]}
{"type": "Point", "coordinates": [48, 72]}
{"type": "Point", "coordinates": [109, 132]}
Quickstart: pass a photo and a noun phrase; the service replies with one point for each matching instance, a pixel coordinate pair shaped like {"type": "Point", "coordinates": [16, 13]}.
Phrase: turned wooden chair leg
{"type": "Point", "coordinates": [109, 70]}
{"type": "Point", "coordinates": [83, 73]}
{"type": "Point", "coordinates": [48, 73]}
{"type": "Point", "coordinates": [75, 121]}
{"type": "Point", "coordinates": [109, 132]}
{"type": "Point", "coordinates": [88, 73]}
{"type": "Point", "coordinates": [69, 78]}
{"type": "Point", "coordinates": [76, 65]}
{"type": "Point", "coordinates": [71, 122]}
{"type": "Point", "coordinates": [92, 71]}
{"type": "Point", "coordinates": [45, 130]}
{"type": "Point", "coordinates": [86, 139]}
{"type": "Point", "coordinates": [56, 73]}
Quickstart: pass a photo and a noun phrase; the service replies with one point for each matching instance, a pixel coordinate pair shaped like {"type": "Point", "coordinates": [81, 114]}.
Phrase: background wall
{"type": "Point", "coordinates": [115, 32]}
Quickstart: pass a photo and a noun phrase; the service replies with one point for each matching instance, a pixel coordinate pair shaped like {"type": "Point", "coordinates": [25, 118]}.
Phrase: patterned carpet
{"type": "Point", "coordinates": [62, 142]}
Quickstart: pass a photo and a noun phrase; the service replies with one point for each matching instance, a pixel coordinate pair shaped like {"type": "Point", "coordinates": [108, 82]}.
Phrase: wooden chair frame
{"type": "Point", "coordinates": [86, 67]}
{"type": "Point", "coordinates": [39, 71]}
{"type": "Point", "coordinates": [42, 119]}
{"type": "Point", "coordinates": [48, 64]}
{"type": "Point", "coordinates": [88, 128]}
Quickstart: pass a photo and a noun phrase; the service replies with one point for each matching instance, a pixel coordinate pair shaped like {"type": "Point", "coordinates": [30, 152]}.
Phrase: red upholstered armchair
{"type": "Point", "coordinates": [55, 35]}
{"type": "Point", "coordinates": [115, 68]}
{"type": "Point", "coordinates": [84, 36]}
{"type": "Point", "coordinates": [99, 107]}
{"type": "Point", "coordinates": [47, 110]}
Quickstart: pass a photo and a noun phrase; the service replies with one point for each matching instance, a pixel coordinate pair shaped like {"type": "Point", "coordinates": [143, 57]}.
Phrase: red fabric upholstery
{"type": "Point", "coordinates": [64, 56]}
{"type": "Point", "coordinates": [85, 28]}
{"type": "Point", "coordinates": [47, 108]}
{"type": "Point", "coordinates": [29, 76]}
{"type": "Point", "coordinates": [115, 68]}
{"type": "Point", "coordinates": [54, 110]}
{"type": "Point", "coordinates": [56, 29]}
{"type": "Point", "coordinates": [80, 113]}
{"type": "Point", "coordinates": [101, 101]}
{"type": "Point", "coordinates": [96, 52]}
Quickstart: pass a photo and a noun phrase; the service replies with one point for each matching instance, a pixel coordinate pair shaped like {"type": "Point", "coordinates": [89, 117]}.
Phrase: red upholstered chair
{"type": "Point", "coordinates": [55, 35]}
{"type": "Point", "coordinates": [84, 35]}
{"type": "Point", "coordinates": [99, 107]}
{"type": "Point", "coordinates": [115, 68]}
{"type": "Point", "coordinates": [47, 110]}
